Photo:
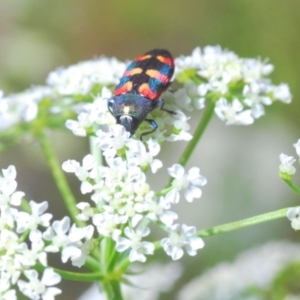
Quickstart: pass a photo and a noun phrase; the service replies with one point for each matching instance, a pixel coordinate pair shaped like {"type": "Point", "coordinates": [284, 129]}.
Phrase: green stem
{"type": "Point", "coordinates": [92, 264]}
{"type": "Point", "coordinates": [116, 286]}
{"type": "Point", "coordinates": [95, 151]}
{"type": "Point", "coordinates": [112, 289]}
{"type": "Point", "coordinates": [277, 214]}
{"type": "Point", "coordinates": [90, 277]}
{"type": "Point", "coordinates": [87, 277]}
{"type": "Point", "coordinates": [292, 186]}
{"type": "Point", "coordinates": [25, 205]}
{"type": "Point", "coordinates": [164, 191]}
{"type": "Point", "coordinates": [198, 133]}
{"type": "Point", "coordinates": [60, 179]}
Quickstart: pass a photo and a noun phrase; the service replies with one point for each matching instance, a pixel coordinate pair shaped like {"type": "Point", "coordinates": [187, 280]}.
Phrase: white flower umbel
{"type": "Point", "coordinates": [239, 86]}
{"type": "Point", "coordinates": [22, 107]}
{"type": "Point", "coordinates": [80, 78]}
{"type": "Point", "coordinates": [133, 241]}
{"type": "Point", "coordinates": [18, 256]}
{"type": "Point", "coordinates": [188, 182]}
{"type": "Point", "coordinates": [181, 237]}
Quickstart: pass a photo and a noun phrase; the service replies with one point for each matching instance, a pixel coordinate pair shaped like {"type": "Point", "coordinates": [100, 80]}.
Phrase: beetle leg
{"type": "Point", "coordinates": [161, 103]}
{"type": "Point", "coordinates": [153, 124]}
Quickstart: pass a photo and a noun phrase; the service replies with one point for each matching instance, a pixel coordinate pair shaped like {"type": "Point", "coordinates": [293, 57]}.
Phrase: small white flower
{"type": "Point", "coordinates": [188, 182]}
{"type": "Point", "coordinates": [8, 295]}
{"type": "Point", "coordinates": [36, 289]}
{"type": "Point", "coordinates": [181, 236]}
{"type": "Point", "coordinates": [84, 247]}
{"type": "Point", "coordinates": [106, 223]}
{"type": "Point", "coordinates": [293, 214]}
{"type": "Point", "coordinates": [57, 234]}
{"type": "Point", "coordinates": [297, 147]}
{"type": "Point", "coordinates": [158, 210]}
{"type": "Point", "coordinates": [29, 257]}
{"type": "Point", "coordinates": [37, 217]}
{"type": "Point", "coordinates": [286, 165]}
{"type": "Point", "coordinates": [135, 243]}
{"type": "Point", "coordinates": [8, 185]}
{"type": "Point", "coordinates": [233, 113]}
{"type": "Point", "coordinates": [138, 154]}
{"type": "Point", "coordinates": [78, 250]}
{"type": "Point", "coordinates": [9, 242]}
{"type": "Point", "coordinates": [86, 211]}
{"type": "Point", "coordinates": [84, 172]}
{"type": "Point", "coordinates": [112, 141]}
{"type": "Point", "coordinates": [78, 127]}
{"type": "Point", "coordinates": [282, 93]}
{"type": "Point", "coordinates": [181, 128]}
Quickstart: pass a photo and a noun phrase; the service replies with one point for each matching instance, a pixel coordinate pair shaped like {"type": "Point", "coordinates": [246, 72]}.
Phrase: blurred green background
{"type": "Point", "coordinates": [240, 163]}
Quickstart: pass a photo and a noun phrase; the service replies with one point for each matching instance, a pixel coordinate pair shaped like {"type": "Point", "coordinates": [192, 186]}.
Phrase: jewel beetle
{"type": "Point", "coordinates": [139, 90]}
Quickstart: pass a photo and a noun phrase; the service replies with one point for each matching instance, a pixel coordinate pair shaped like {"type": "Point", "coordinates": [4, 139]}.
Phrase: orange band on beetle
{"type": "Point", "coordinates": [165, 60]}
{"type": "Point", "coordinates": [145, 90]}
{"type": "Point", "coordinates": [127, 87]}
{"type": "Point", "coordinates": [143, 57]}
{"type": "Point", "coordinates": [133, 72]}
{"type": "Point", "coordinates": [157, 75]}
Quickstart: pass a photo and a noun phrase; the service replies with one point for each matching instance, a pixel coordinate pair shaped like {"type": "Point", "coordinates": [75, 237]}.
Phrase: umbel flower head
{"type": "Point", "coordinates": [123, 200]}
{"type": "Point", "coordinates": [18, 258]}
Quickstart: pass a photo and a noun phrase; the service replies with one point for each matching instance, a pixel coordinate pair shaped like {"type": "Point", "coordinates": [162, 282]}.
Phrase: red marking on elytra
{"type": "Point", "coordinates": [143, 57]}
{"type": "Point", "coordinates": [133, 72]}
{"type": "Point", "coordinates": [145, 90]}
{"type": "Point", "coordinates": [157, 75]}
{"type": "Point", "coordinates": [165, 60]}
{"type": "Point", "coordinates": [127, 87]}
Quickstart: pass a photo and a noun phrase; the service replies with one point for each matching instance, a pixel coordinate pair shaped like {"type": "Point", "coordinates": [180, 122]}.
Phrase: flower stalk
{"type": "Point", "coordinates": [59, 178]}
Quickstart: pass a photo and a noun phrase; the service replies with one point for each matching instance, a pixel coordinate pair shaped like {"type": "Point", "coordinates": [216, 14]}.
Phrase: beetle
{"type": "Point", "coordinates": [139, 90]}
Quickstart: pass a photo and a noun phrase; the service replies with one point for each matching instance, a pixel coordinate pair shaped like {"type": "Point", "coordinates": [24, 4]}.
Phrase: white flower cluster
{"type": "Point", "coordinates": [16, 257]}
{"type": "Point", "coordinates": [286, 171]}
{"type": "Point", "coordinates": [25, 240]}
{"type": "Point", "coordinates": [80, 78]}
{"type": "Point", "coordinates": [239, 86]}
{"type": "Point", "coordinates": [22, 107]}
{"type": "Point", "coordinates": [124, 203]}
{"type": "Point", "coordinates": [62, 86]}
